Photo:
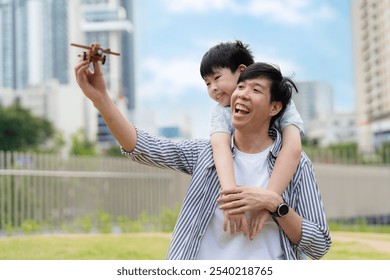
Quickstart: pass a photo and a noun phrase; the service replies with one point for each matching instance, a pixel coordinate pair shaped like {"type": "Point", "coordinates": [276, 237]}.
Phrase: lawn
{"type": "Point", "coordinates": [85, 247]}
{"type": "Point", "coordinates": [153, 246]}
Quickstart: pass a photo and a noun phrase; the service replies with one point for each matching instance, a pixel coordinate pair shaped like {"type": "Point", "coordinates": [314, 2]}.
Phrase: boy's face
{"type": "Point", "coordinates": [221, 84]}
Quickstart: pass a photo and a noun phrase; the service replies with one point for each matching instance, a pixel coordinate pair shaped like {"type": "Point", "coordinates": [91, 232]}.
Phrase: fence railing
{"type": "Point", "coordinates": [349, 156]}
{"type": "Point", "coordinates": [58, 190]}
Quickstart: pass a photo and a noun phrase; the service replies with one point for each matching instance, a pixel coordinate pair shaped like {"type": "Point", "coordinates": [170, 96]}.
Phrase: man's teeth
{"type": "Point", "coordinates": [241, 108]}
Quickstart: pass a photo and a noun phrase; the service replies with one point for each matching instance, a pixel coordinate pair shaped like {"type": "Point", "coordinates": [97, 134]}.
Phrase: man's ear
{"type": "Point", "coordinates": [276, 106]}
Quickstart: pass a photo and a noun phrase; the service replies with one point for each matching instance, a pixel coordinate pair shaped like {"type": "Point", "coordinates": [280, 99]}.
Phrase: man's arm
{"type": "Point", "coordinates": [93, 86]}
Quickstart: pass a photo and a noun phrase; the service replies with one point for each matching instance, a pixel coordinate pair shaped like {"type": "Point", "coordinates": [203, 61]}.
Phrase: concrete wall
{"type": "Point", "coordinates": [350, 191]}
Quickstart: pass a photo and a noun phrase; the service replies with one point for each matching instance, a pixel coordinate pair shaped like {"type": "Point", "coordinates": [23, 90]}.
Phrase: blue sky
{"type": "Point", "coordinates": [308, 39]}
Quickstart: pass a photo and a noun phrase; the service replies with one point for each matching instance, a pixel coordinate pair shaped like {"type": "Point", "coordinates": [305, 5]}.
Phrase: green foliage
{"type": "Point", "coordinates": [168, 218]}
{"type": "Point", "coordinates": [81, 146]}
{"type": "Point", "coordinates": [22, 131]}
{"type": "Point", "coordinates": [104, 222]}
{"type": "Point", "coordinates": [126, 225]}
{"type": "Point", "coordinates": [113, 151]}
{"type": "Point", "coordinates": [8, 229]}
{"type": "Point", "coordinates": [30, 226]}
{"type": "Point", "coordinates": [84, 223]}
{"type": "Point", "coordinates": [360, 225]}
{"type": "Point", "coordinates": [384, 153]}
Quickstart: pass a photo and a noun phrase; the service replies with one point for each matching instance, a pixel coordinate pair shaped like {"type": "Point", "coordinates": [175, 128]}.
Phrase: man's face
{"type": "Point", "coordinates": [221, 84]}
{"type": "Point", "coordinates": [251, 108]}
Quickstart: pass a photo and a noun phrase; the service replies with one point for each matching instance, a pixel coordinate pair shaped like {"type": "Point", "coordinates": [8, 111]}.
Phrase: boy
{"type": "Point", "coordinates": [220, 69]}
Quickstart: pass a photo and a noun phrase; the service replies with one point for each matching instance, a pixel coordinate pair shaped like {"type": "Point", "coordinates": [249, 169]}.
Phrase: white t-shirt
{"type": "Point", "coordinates": [250, 170]}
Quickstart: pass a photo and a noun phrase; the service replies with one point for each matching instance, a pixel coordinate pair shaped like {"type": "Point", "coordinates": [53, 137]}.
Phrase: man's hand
{"type": "Point", "coordinates": [237, 223]}
{"type": "Point", "coordinates": [91, 83]}
{"type": "Point", "coordinates": [247, 198]}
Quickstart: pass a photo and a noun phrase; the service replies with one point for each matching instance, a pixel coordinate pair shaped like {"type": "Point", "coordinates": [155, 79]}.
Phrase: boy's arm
{"type": "Point", "coordinates": [94, 87]}
{"type": "Point", "coordinates": [220, 142]}
{"type": "Point", "coordinates": [287, 160]}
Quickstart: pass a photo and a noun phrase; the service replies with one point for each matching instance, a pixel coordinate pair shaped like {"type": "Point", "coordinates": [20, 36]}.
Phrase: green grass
{"type": "Point", "coordinates": [153, 246]}
{"type": "Point", "coordinates": [85, 247]}
{"type": "Point", "coordinates": [354, 251]}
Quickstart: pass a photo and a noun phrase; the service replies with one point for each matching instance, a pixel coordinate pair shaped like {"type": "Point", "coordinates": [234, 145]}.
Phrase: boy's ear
{"type": "Point", "coordinates": [276, 106]}
{"type": "Point", "coordinates": [241, 67]}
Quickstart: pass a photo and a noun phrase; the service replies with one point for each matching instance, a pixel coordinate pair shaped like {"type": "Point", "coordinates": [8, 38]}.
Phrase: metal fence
{"type": "Point", "coordinates": [54, 190]}
{"type": "Point", "coordinates": [48, 188]}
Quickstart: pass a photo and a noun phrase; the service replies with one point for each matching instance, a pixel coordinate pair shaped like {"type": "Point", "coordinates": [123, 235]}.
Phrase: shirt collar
{"type": "Point", "coordinates": [273, 133]}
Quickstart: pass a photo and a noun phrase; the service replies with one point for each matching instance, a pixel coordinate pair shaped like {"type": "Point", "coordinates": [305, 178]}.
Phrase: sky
{"type": "Point", "coordinates": [310, 40]}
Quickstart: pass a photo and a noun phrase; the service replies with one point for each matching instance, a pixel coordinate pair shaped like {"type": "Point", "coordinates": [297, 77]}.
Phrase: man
{"type": "Point", "coordinates": [299, 223]}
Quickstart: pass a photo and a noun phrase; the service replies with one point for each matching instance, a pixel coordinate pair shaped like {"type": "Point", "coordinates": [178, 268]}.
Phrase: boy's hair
{"type": "Point", "coordinates": [226, 55]}
{"type": "Point", "coordinates": [281, 87]}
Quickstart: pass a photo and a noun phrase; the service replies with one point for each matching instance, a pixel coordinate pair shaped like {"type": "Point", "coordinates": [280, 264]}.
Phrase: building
{"type": "Point", "coordinates": [34, 41]}
{"type": "Point", "coordinates": [313, 100]}
{"type": "Point", "coordinates": [335, 128]}
{"type": "Point", "coordinates": [109, 22]}
{"type": "Point", "coordinates": [371, 35]}
{"type": "Point", "coordinates": [37, 61]}
{"type": "Point", "coordinates": [13, 44]}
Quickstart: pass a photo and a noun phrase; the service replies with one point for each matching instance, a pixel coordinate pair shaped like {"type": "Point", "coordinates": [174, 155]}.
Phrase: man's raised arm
{"type": "Point", "coordinates": [94, 87]}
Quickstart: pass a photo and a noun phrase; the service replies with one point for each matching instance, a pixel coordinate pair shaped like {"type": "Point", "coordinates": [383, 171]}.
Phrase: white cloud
{"type": "Point", "coordinates": [290, 11]}
{"type": "Point", "coordinates": [171, 76]}
{"type": "Point", "coordinates": [268, 54]}
{"type": "Point", "coordinates": [180, 6]}
{"type": "Point", "coordinates": [282, 11]}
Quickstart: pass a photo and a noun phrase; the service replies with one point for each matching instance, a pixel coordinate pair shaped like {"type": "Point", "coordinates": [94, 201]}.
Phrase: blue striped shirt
{"type": "Point", "coordinates": [194, 157]}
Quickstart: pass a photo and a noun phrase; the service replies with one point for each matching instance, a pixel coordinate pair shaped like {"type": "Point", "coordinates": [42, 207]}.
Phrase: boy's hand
{"type": "Point", "coordinates": [257, 221]}
{"type": "Point", "coordinates": [237, 223]}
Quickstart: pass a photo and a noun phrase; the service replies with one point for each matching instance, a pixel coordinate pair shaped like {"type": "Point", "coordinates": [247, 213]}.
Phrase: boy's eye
{"type": "Point", "coordinates": [217, 77]}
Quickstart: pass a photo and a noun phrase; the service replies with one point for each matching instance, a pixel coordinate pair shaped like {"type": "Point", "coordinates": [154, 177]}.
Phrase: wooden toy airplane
{"type": "Point", "coordinates": [95, 52]}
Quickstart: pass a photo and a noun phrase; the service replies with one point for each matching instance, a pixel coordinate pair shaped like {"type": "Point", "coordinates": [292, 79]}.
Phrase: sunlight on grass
{"type": "Point", "coordinates": [85, 247]}
{"type": "Point", "coordinates": [153, 246]}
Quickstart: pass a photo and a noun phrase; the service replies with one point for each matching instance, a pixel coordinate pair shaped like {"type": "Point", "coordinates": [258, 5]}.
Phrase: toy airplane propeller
{"type": "Point", "coordinates": [94, 52]}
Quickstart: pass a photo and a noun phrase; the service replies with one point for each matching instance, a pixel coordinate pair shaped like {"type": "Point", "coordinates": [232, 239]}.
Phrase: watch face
{"type": "Point", "coordinates": [283, 209]}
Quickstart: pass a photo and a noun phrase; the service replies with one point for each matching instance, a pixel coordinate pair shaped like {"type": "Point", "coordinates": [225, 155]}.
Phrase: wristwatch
{"type": "Point", "coordinates": [281, 210]}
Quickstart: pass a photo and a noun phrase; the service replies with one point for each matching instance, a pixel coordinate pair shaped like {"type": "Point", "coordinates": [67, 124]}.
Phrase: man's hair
{"type": "Point", "coordinates": [226, 55]}
{"type": "Point", "coordinates": [281, 87]}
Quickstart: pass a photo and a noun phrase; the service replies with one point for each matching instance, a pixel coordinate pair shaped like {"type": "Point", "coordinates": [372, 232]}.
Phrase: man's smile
{"type": "Point", "coordinates": [241, 109]}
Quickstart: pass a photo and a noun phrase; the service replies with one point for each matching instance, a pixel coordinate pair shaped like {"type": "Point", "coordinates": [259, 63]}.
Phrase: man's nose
{"type": "Point", "coordinates": [243, 93]}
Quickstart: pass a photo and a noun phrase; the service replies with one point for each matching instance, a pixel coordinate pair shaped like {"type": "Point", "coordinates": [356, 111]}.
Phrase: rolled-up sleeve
{"type": "Point", "coordinates": [316, 239]}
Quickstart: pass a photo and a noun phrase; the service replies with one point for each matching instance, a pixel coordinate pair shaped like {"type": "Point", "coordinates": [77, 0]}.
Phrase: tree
{"type": "Point", "coordinates": [22, 131]}
{"type": "Point", "coordinates": [81, 146]}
